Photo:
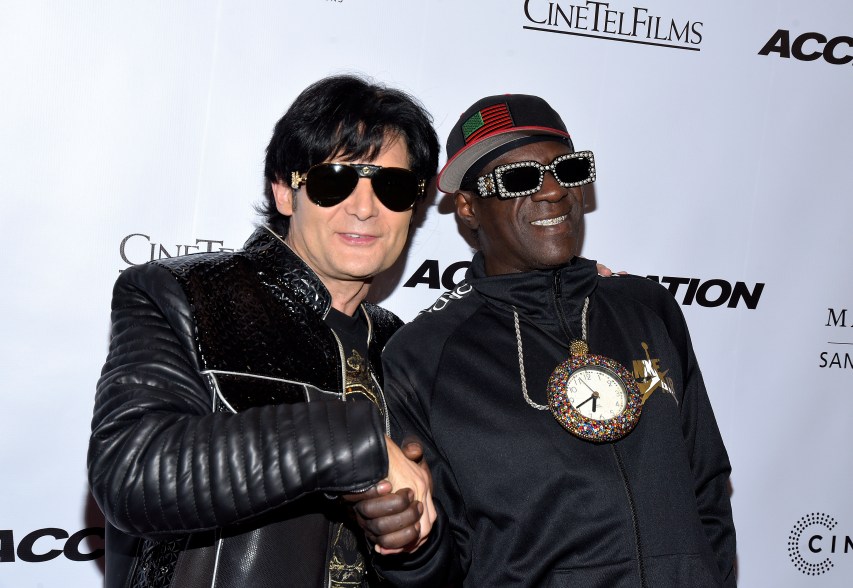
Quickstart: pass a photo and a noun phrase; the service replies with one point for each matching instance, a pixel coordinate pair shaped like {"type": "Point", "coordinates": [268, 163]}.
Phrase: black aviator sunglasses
{"type": "Point", "coordinates": [331, 183]}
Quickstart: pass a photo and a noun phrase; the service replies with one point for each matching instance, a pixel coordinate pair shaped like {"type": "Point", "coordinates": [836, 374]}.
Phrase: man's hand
{"type": "Point", "coordinates": [408, 469]}
{"type": "Point", "coordinates": [397, 514]}
{"type": "Point", "coordinates": [606, 272]}
{"type": "Point", "coordinates": [391, 520]}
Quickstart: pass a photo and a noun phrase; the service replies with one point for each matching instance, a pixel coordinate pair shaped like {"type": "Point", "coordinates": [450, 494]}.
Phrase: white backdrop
{"type": "Point", "coordinates": [131, 130]}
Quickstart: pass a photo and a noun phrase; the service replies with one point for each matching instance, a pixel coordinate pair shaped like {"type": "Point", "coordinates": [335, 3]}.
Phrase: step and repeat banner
{"type": "Point", "coordinates": [722, 135]}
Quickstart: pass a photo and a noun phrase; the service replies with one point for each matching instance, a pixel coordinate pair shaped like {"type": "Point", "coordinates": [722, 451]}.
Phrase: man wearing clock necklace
{"type": "Point", "coordinates": [564, 416]}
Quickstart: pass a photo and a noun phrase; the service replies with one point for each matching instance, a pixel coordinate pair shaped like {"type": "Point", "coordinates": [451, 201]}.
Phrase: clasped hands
{"type": "Point", "coordinates": [397, 513]}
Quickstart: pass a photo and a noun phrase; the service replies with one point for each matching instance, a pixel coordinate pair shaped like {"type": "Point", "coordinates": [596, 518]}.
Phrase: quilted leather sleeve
{"type": "Point", "coordinates": [162, 463]}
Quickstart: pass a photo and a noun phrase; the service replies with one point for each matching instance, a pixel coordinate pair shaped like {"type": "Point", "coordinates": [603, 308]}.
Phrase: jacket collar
{"type": "Point", "coordinates": [536, 294]}
{"type": "Point", "coordinates": [281, 268]}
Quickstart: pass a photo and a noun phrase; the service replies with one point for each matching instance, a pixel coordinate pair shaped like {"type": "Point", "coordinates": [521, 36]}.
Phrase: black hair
{"type": "Point", "coordinates": [349, 117]}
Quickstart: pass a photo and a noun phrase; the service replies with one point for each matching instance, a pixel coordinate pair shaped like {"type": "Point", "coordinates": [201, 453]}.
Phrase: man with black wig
{"type": "Point", "coordinates": [564, 417]}
{"type": "Point", "coordinates": [241, 401]}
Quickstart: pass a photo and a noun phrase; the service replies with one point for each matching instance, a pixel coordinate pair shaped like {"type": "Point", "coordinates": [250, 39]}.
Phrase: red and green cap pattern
{"type": "Point", "coordinates": [491, 123]}
{"type": "Point", "coordinates": [488, 120]}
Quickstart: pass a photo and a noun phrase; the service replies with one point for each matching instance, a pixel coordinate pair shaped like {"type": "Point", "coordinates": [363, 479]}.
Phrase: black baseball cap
{"type": "Point", "coordinates": [491, 123]}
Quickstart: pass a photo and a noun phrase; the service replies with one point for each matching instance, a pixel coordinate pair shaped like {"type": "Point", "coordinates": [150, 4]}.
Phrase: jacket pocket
{"type": "Point", "coordinates": [681, 570]}
{"type": "Point", "coordinates": [235, 392]}
{"type": "Point", "coordinates": [620, 575]}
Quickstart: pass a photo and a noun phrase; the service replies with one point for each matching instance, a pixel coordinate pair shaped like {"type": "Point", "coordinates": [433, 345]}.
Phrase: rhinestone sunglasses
{"type": "Point", "coordinates": [523, 178]}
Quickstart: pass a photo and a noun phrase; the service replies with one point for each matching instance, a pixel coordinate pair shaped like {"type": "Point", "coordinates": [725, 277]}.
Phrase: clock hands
{"type": "Point", "coordinates": [594, 396]}
{"type": "Point", "coordinates": [587, 385]}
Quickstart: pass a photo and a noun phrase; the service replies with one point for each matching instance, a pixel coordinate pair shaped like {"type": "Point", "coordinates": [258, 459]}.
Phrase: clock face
{"type": "Point", "coordinates": [594, 398]}
{"type": "Point", "coordinates": [596, 393]}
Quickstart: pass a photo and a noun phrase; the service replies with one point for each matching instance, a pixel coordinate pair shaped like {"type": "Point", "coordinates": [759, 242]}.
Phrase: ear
{"type": "Point", "coordinates": [283, 195]}
{"type": "Point", "coordinates": [465, 209]}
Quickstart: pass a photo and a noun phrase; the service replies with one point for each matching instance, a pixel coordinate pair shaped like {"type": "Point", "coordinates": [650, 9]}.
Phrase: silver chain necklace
{"type": "Point", "coordinates": [521, 352]}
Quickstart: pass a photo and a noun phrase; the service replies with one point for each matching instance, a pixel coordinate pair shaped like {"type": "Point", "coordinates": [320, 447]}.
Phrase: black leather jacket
{"type": "Point", "coordinates": [219, 428]}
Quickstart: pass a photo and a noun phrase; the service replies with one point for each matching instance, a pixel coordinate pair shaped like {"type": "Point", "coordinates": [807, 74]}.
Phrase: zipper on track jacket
{"type": "Point", "coordinates": [564, 323]}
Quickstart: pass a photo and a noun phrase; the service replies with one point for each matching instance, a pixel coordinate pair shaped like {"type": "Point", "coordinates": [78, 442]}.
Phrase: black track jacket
{"type": "Point", "coordinates": [528, 503]}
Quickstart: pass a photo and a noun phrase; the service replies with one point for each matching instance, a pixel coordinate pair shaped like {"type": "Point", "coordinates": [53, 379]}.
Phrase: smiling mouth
{"type": "Point", "coordinates": [358, 237]}
{"type": "Point", "coordinates": [550, 221]}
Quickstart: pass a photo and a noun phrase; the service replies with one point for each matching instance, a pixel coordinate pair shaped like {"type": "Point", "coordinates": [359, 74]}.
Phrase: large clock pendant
{"type": "Point", "coordinates": [594, 397]}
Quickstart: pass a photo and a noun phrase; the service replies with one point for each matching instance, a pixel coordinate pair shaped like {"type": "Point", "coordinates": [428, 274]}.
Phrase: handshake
{"type": "Point", "coordinates": [397, 513]}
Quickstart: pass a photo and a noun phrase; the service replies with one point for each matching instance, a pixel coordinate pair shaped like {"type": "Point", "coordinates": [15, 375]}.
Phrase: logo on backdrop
{"type": "Point", "coordinates": [813, 546]}
{"type": "Point", "coordinates": [44, 545]}
{"type": "Point", "coordinates": [709, 293]}
{"type": "Point", "coordinates": [809, 46]}
{"type": "Point", "coordinates": [430, 274]}
{"type": "Point", "coordinates": [712, 293]}
{"type": "Point", "coordinates": [613, 21]}
{"type": "Point", "coordinates": [138, 248]}
{"type": "Point", "coordinates": [840, 355]}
